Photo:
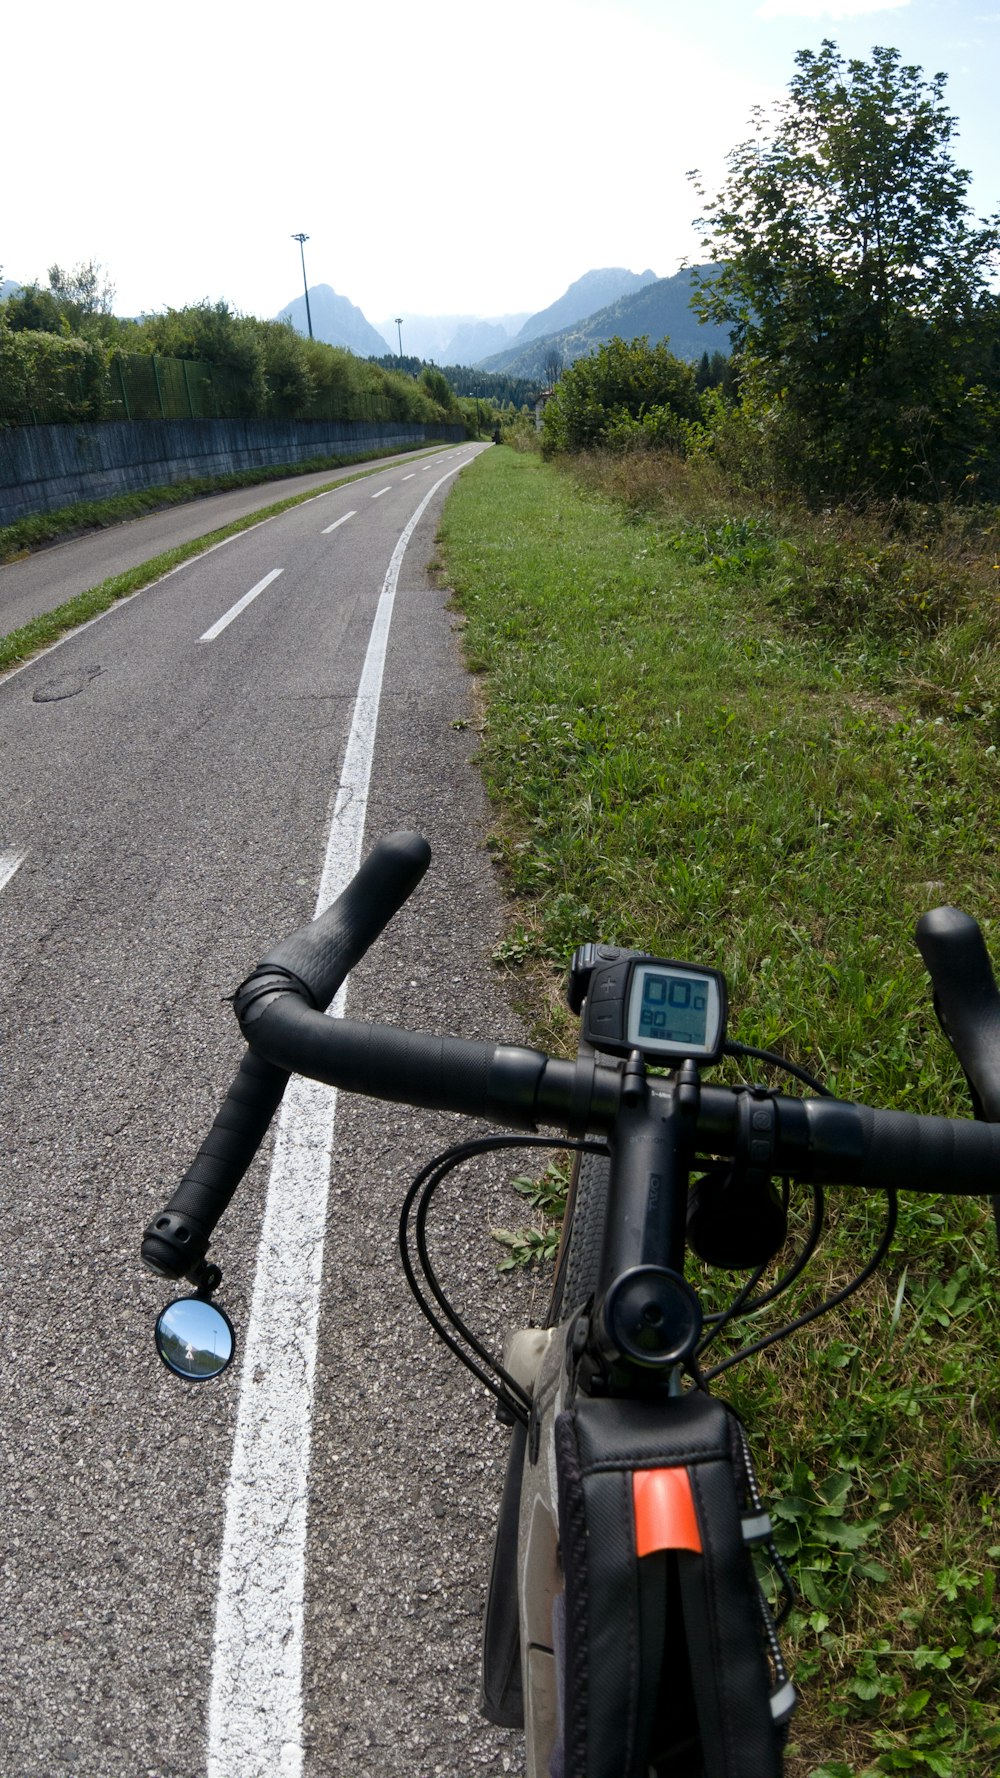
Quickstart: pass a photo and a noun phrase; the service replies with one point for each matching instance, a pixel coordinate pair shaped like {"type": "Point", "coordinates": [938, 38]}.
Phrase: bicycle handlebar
{"type": "Point", "coordinates": [826, 1141]}
{"type": "Point", "coordinates": [966, 998]}
{"type": "Point", "coordinates": [314, 961]}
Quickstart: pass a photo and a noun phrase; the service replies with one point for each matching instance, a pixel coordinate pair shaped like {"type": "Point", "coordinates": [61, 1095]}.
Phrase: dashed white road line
{"type": "Point", "coordinates": [255, 1710]}
{"type": "Point", "coordinates": [380, 492]}
{"type": "Point", "coordinates": [9, 862]}
{"type": "Point", "coordinates": [241, 605]}
{"type": "Point", "coordinates": [409, 478]}
{"type": "Point", "coordinates": [348, 515]}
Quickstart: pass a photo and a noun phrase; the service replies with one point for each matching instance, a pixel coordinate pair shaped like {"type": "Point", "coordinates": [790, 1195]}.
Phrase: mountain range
{"type": "Point", "coordinates": [593, 309]}
{"type": "Point", "coordinates": [451, 339]}
{"type": "Point", "coordinates": [458, 339]}
{"type": "Point", "coordinates": [594, 291]}
{"type": "Point", "coordinates": [661, 310]}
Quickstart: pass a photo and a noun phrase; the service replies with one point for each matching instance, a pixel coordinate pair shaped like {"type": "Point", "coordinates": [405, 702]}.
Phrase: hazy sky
{"type": "Point", "coordinates": [443, 156]}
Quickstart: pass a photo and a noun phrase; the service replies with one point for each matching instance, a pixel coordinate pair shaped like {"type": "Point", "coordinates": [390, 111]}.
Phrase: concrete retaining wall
{"type": "Point", "coordinates": [45, 467]}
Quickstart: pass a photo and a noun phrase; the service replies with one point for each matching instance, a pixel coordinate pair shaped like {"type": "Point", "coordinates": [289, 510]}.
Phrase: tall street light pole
{"type": "Point", "coordinates": [302, 239]}
{"type": "Point", "coordinates": [399, 332]}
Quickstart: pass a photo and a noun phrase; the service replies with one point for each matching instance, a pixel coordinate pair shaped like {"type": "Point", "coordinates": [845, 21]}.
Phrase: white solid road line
{"type": "Point", "coordinates": [381, 491]}
{"type": "Point", "coordinates": [241, 605]}
{"type": "Point", "coordinates": [336, 522]}
{"type": "Point", "coordinates": [9, 862]}
{"type": "Point", "coordinates": [255, 1710]}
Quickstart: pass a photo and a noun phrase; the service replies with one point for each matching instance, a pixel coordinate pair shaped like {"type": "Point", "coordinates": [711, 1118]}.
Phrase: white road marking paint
{"type": "Point", "coordinates": [9, 862]}
{"type": "Point", "coordinates": [241, 605]}
{"type": "Point", "coordinates": [409, 478]}
{"type": "Point", "coordinates": [127, 600]}
{"type": "Point", "coordinates": [381, 491]}
{"type": "Point", "coordinates": [12, 672]}
{"type": "Point", "coordinates": [336, 522]}
{"type": "Point", "coordinates": [255, 1709]}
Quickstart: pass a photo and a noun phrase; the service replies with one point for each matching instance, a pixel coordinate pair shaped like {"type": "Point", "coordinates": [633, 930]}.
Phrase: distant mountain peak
{"type": "Point", "coordinates": [335, 320]}
{"type": "Point", "coordinates": [594, 290]}
{"type": "Point", "coordinates": [659, 310]}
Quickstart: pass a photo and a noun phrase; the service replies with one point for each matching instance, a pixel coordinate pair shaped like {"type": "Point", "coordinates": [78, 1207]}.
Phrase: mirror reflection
{"type": "Point", "coordinates": [194, 1339]}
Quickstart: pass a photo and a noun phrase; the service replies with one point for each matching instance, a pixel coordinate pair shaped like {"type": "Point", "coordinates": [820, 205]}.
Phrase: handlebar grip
{"type": "Point", "coordinates": [319, 956]}
{"type": "Point", "coordinates": [950, 1155]}
{"type": "Point", "coordinates": [966, 998]}
{"type": "Point", "coordinates": [322, 954]}
{"type": "Point", "coordinates": [175, 1242]}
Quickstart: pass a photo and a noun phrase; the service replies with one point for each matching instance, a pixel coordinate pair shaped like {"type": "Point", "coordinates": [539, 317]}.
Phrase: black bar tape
{"type": "Point", "coordinates": [836, 1143]}
{"type": "Point", "coordinates": [488, 1080]}
{"type": "Point", "coordinates": [966, 997]}
{"type": "Point", "coordinates": [176, 1240]}
{"type": "Point", "coordinates": [940, 1154]}
{"type": "Point", "coordinates": [322, 953]}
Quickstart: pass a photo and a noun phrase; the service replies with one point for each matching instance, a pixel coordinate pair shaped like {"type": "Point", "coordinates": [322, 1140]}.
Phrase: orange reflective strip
{"type": "Point", "coordinates": [665, 1517]}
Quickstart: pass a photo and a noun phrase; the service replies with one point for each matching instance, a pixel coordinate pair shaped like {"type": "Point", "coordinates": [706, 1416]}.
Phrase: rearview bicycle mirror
{"type": "Point", "coordinates": [195, 1339]}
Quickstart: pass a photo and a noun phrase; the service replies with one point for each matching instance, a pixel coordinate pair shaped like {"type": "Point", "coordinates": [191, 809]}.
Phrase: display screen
{"type": "Point", "coordinates": [673, 1008]}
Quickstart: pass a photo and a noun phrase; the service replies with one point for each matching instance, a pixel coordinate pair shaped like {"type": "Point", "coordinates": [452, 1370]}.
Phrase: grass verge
{"type": "Point", "coordinates": [40, 528]}
{"type": "Point", "coordinates": [678, 763]}
{"type": "Point", "coordinates": [47, 628]}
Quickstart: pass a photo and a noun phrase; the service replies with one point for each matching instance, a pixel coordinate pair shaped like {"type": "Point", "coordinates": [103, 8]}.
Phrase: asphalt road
{"type": "Point", "coordinates": [50, 576]}
{"type": "Point", "coordinates": [165, 811]}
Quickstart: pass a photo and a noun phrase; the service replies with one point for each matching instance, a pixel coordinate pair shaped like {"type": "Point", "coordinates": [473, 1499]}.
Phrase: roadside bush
{"type": "Point", "coordinates": [287, 374]}
{"type": "Point", "coordinates": [46, 377]}
{"type": "Point", "coordinates": [213, 333]}
{"type": "Point", "coordinates": [626, 394]}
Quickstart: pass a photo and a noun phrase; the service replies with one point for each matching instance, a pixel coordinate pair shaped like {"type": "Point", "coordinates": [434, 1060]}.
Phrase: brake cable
{"type": "Point", "coordinates": [508, 1392]}
{"type": "Point", "coordinates": [838, 1296]}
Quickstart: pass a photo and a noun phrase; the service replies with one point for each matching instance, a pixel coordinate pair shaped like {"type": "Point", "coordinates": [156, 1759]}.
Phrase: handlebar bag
{"type": "Point", "coordinates": [667, 1631]}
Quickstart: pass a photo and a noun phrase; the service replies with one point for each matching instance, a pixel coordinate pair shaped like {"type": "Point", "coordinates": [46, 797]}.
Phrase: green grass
{"type": "Point", "coordinates": [40, 528]}
{"type": "Point", "coordinates": [678, 763]}
{"type": "Point", "coordinates": [47, 628]}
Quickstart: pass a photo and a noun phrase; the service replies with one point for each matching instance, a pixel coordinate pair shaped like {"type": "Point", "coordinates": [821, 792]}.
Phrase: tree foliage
{"type": "Point", "coordinates": [83, 293]}
{"type": "Point", "coordinates": [259, 368]}
{"type": "Point", "coordinates": [627, 392]}
{"type": "Point", "coordinates": [857, 281]}
{"type": "Point", "coordinates": [45, 370]}
{"type": "Point", "coordinates": [33, 310]}
{"type": "Point", "coordinates": [494, 386]}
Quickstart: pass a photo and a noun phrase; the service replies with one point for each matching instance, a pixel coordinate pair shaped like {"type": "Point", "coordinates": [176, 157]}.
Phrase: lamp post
{"type": "Point", "coordinates": [399, 334]}
{"type": "Point", "coordinates": [302, 239]}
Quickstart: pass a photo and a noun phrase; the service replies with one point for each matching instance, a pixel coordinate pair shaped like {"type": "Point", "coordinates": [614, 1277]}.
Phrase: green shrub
{"type": "Point", "coordinates": [46, 378]}
{"type": "Point", "coordinates": [605, 399]}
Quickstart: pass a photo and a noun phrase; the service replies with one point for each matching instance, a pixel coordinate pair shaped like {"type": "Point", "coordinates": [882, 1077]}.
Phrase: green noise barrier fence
{"type": "Point", "coordinates": [143, 386]}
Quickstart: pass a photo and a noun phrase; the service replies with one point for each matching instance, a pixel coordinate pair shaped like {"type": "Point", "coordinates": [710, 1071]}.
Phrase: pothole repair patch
{"type": "Point", "coordinates": [66, 685]}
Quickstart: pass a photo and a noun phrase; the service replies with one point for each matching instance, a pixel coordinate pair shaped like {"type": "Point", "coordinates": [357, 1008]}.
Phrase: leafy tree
{"type": "Point", "coordinates": [84, 291]}
{"type": "Point", "coordinates": [405, 366]}
{"type": "Point", "coordinates": [47, 377]}
{"type": "Point", "coordinates": [33, 310]}
{"type": "Point", "coordinates": [625, 392]}
{"type": "Point", "coordinates": [215, 334]}
{"type": "Point", "coordinates": [436, 385]}
{"type": "Point", "coordinates": [553, 366]}
{"type": "Point", "coordinates": [287, 374]}
{"type": "Point", "coordinates": [716, 371]}
{"type": "Point", "coordinates": [856, 280]}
